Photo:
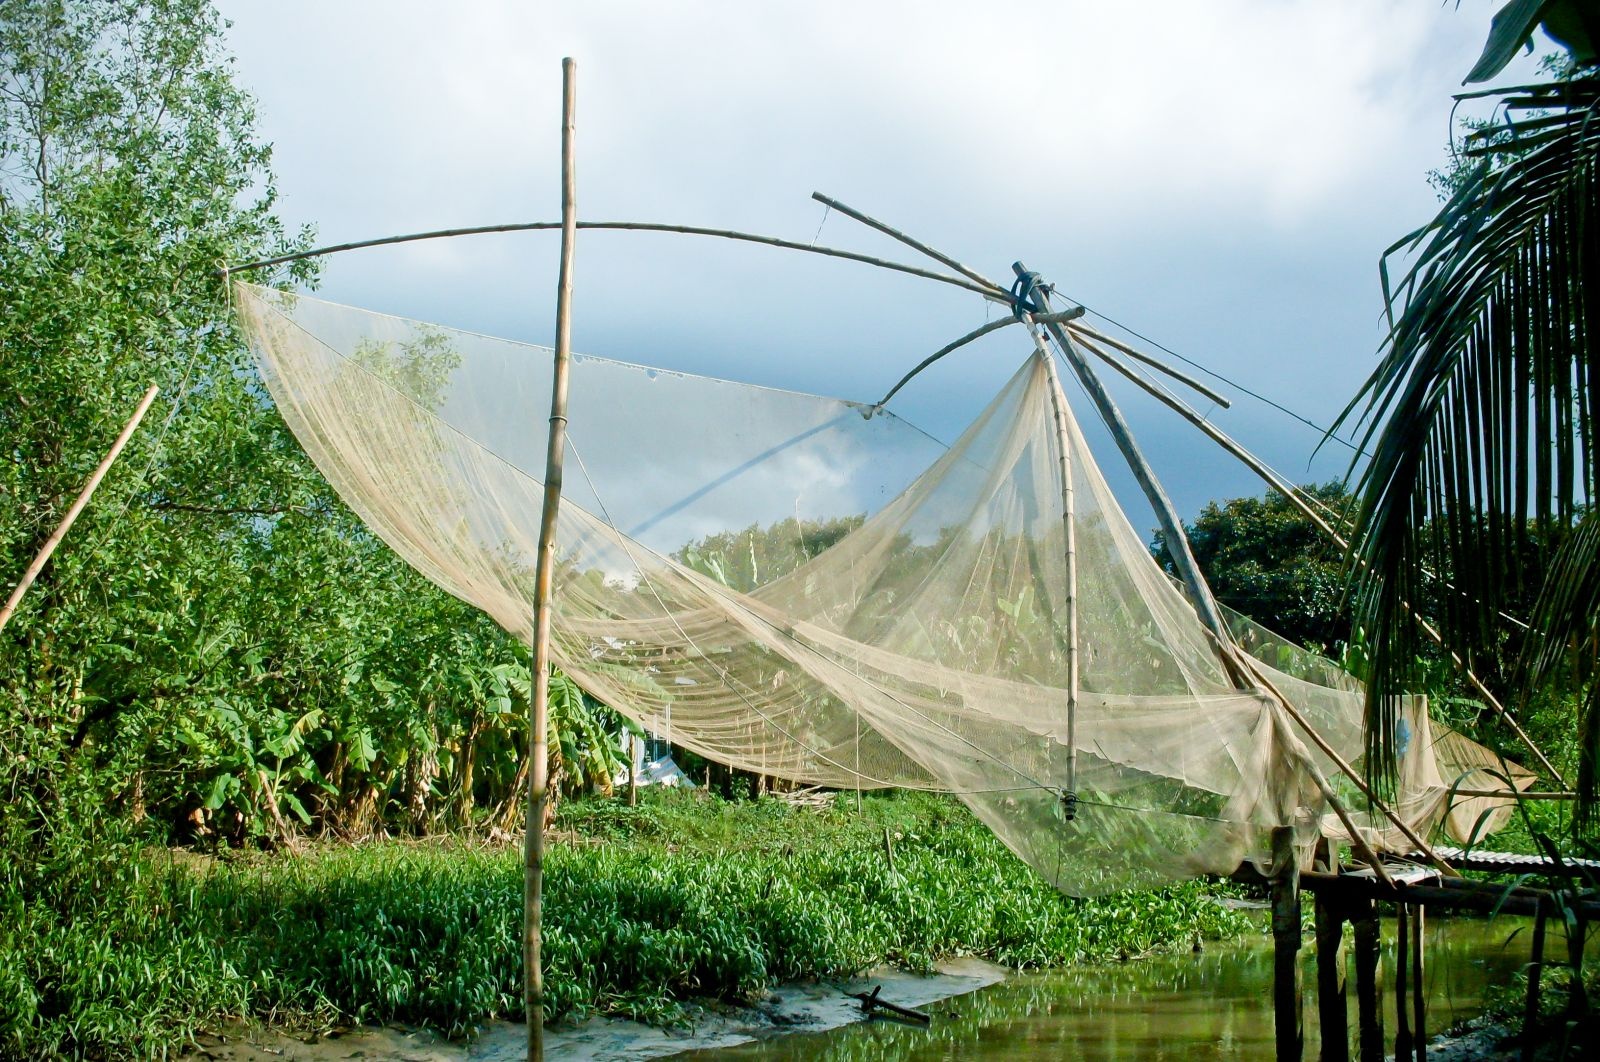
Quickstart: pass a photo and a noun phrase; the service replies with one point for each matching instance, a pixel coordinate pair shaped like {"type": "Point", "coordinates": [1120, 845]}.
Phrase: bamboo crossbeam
{"type": "Point", "coordinates": [78, 504]}
{"type": "Point", "coordinates": [539, 776]}
{"type": "Point", "coordinates": [621, 226]}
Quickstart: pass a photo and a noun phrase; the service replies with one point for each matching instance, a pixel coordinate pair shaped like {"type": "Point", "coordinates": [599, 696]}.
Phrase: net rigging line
{"type": "Point", "coordinates": [1235, 384]}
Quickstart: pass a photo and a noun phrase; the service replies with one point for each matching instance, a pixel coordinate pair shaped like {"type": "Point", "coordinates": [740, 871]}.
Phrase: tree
{"type": "Point", "coordinates": [1263, 558]}
{"type": "Point", "coordinates": [220, 648]}
{"type": "Point", "coordinates": [1481, 415]}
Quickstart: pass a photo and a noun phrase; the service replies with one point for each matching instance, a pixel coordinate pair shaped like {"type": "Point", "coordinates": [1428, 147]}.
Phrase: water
{"type": "Point", "coordinates": [1216, 1004]}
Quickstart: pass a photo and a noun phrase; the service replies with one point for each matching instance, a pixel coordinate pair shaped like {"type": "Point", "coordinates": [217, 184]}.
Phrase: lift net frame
{"type": "Point", "coordinates": [816, 590]}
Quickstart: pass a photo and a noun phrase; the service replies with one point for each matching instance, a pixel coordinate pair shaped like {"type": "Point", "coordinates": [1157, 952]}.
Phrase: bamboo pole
{"type": "Point", "coordinates": [49, 547]}
{"type": "Point", "coordinates": [1080, 331]}
{"type": "Point", "coordinates": [1291, 493]}
{"type": "Point", "coordinates": [975, 334]}
{"type": "Point", "coordinates": [1250, 664]}
{"type": "Point", "coordinates": [622, 226]}
{"type": "Point", "coordinates": [1205, 604]}
{"type": "Point", "coordinates": [916, 244]}
{"type": "Point", "coordinates": [1058, 409]}
{"type": "Point", "coordinates": [539, 778]}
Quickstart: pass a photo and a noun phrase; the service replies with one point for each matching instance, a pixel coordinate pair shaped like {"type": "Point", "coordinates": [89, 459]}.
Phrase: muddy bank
{"type": "Point", "coordinates": [792, 1008]}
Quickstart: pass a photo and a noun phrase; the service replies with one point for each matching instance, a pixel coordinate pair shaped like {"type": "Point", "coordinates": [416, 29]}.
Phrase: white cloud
{"type": "Point", "coordinates": [1223, 174]}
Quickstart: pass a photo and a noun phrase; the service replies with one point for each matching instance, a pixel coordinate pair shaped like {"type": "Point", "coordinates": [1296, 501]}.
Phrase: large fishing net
{"type": "Point", "coordinates": [815, 590]}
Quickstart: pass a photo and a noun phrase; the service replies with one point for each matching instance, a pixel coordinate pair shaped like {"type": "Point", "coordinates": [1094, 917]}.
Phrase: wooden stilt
{"type": "Point", "coordinates": [1402, 952]}
{"type": "Point", "coordinates": [1332, 1006]}
{"type": "Point", "coordinates": [1530, 1006]}
{"type": "Point", "coordinates": [1419, 987]}
{"type": "Point", "coordinates": [538, 741]}
{"type": "Point", "coordinates": [1369, 1014]}
{"type": "Point", "coordinates": [1288, 1019]}
{"type": "Point", "coordinates": [78, 504]}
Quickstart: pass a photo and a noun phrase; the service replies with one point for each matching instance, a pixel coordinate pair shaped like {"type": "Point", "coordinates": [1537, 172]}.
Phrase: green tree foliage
{"type": "Point", "coordinates": [220, 650]}
{"type": "Point", "coordinates": [1264, 558]}
{"type": "Point", "coordinates": [1481, 414]}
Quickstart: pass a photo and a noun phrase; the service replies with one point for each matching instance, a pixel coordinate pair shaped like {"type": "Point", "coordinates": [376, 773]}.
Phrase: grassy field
{"type": "Point", "coordinates": [646, 908]}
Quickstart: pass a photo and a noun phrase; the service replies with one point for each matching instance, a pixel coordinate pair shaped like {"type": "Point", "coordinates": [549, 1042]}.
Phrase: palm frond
{"type": "Point", "coordinates": [1480, 416]}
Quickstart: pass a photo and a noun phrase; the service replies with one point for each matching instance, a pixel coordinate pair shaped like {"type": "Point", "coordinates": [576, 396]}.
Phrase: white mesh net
{"type": "Point", "coordinates": [806, 588]}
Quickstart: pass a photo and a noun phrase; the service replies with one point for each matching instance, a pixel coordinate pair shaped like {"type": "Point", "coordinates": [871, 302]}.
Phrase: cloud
{"type": "Point", "coordinates": [1221, 176]}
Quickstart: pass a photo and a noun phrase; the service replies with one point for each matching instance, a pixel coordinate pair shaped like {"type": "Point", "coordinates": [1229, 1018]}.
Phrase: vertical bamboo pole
{"type": "Point", "coordinates": [538, 743]}
{"type": "Point", "coordinates": [78, 504]}
{"type": "Point", "coordinates": [1369, 1013]}
{"type": "Point", "coordinates": [1166, 515]}
{"type": "Point", "coordinates": [1288, 1020]}
{"type": "Point", "coordinates": [1058, 408]}
{"type": "Point", "coordinates": [1332, 1005]}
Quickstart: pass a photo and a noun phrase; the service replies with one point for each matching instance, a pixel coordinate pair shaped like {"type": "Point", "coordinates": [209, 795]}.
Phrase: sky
{"type": "Point", "coordinates": [1220, 177]}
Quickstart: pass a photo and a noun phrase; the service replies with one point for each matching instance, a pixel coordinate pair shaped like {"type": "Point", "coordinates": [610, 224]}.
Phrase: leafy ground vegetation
{"type": "Point", "coordinates": [107, 949]}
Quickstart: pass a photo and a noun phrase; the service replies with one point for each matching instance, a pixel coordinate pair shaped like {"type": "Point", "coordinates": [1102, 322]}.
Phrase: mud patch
{"type": "Point", "coordinates": [792, 1008]}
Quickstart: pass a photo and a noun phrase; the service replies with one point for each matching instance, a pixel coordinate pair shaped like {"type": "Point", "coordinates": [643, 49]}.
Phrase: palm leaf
{"type": "Point", "coordinates": [1480, 415]}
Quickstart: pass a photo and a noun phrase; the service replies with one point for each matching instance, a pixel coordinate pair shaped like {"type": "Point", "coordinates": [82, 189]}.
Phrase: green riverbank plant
{"type": "Point", "coordinates": [647, 908]}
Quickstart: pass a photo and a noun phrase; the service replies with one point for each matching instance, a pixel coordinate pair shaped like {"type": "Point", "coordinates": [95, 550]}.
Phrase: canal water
{"type": "Point", "coordinates": [1212, 1004]}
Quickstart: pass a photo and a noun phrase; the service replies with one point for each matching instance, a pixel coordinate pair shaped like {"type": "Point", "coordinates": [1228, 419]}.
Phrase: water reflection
{"type": "Point", "coordinates": [1212, 1005]}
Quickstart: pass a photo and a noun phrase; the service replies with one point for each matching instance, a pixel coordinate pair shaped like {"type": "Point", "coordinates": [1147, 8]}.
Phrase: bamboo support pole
{"type": "Point", "coordinates": [1058, 409]}
{"type": "Point", "coordinates": [539, 778]}
{"type": "Point", "coordinates": [1291, 493]}
{"type": "Point", "coordinates": [1205, 604]}
{"type": "Point", "coordinates": [1332, 1003]}
{"type": "Point", "coordinates": [622, 226]}
{"type": "Point", "coordinates": [43, 556]}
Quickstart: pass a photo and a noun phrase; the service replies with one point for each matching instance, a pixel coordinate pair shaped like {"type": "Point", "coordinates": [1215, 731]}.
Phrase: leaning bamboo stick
{"type": "Point", "coordinates": [913, 243]}
{"type": "Point", "coordinates": [49, 547]}
{"type": "Point", "coordinates": [1254, 667]}
{"type": "Point", "coordinates": [539, 779]}
{"type": "Point", "coordinates": [975, 334]}
{"type": "Point", "coordinates": [1081, 331]}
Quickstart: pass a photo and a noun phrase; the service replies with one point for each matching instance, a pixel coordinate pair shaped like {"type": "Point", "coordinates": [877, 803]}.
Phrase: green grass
{"type": "Point", "coordinates": [646, 908]}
